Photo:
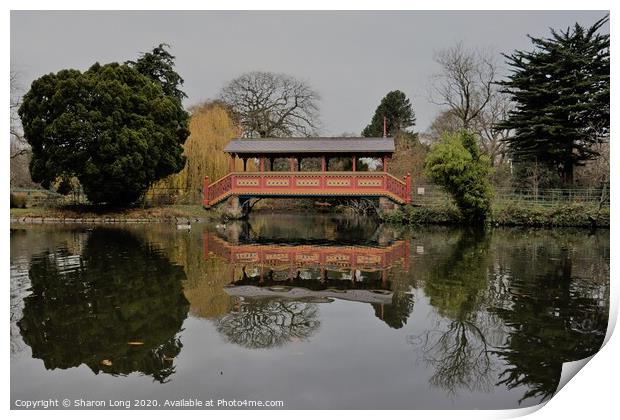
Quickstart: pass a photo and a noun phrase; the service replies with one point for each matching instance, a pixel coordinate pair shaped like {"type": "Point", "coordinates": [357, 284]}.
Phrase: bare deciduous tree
{"type": "Point", "coordinates": [445, 122]}
{"type": "Point", "coordinates": [18, 143]}
{"type": "Point", "coordinates": [490, 138]}
{"type": "Point", "coordinates": [272, 105]}
{"type": "Point", "coordinates": [20, 152]}
{"type": "Point", "coordinates": [485, 125]}
{"type": "Point", "coordinates": [466, 87]}
{"type": "Point", "coordinates": [595, 173]}
{"type": "Point", "coordinates": [465, 84]}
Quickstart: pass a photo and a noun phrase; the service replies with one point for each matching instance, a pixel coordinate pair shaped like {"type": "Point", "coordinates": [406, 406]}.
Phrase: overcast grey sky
{"type": "Point", "coordinates": [351, 58]}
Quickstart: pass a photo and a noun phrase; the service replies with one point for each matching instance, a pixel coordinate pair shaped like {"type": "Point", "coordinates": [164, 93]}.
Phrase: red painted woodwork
{"type": "Point", "coordinates": [205, 192]}
{"type": "Point", "coordinates": [341, 257]}
{"type": "Point", "coordinates": [318, 184]}
{"type": "Point", "coordinates": [385, 163]}
{"type": "Point", "coordinates": [408, 187]}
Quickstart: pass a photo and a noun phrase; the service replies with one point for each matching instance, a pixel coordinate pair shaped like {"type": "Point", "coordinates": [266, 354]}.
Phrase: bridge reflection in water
{"type": "Point", "coordinates": [309, 272]}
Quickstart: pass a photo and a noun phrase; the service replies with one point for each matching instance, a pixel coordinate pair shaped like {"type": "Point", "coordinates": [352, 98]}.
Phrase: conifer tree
{"type": "Point", "coordinates": [399, 115]}
{"type": "Point", "coordinates": [561, 91]}
{"type": "Point", "coordinates": [114, 128]}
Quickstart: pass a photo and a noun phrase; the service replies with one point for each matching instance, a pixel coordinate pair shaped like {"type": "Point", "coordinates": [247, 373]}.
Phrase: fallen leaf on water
{"type": "Point", "coordinates": [136, 343]}
{"type": "Point", "coordinates": [106, 362]}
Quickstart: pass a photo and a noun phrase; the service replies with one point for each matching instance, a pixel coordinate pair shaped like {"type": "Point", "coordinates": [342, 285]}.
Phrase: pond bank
{"type": "Point", "coordinates": [83, 215]}
{"type": "Point", "coordinates": [567, 215]}
{"type": "Point", "coordinates": [99, 220]}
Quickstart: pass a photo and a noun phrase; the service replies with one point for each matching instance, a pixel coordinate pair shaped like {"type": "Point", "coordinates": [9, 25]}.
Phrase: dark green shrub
{"type": "Point", "coordinates": [457, 164]}
{"type": "Point", "coordinates": [396, 216]}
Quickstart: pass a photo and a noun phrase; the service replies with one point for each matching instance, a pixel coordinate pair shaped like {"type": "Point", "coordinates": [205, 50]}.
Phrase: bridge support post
{"type": "Point", "coordinates": [387, 206]}
{"type": "Point", "coordinates": [408, 186]}
{"type": "Point", "coordinates": [236, 208]}
{"type": "Point", "coordinates": [205, 192]}
{"type": "Point", "coordinates": [232, 208]}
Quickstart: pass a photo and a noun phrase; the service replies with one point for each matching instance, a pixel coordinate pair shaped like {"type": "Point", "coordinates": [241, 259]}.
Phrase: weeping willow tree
{"type": "Point", "coordinates": [211, 128]}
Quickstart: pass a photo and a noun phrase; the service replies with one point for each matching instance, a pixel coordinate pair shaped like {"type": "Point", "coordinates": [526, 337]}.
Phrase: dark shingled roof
{"type": "Point", "coordinates": [312, 145]}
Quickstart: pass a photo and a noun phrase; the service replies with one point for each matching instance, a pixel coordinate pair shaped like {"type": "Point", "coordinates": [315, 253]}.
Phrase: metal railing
{"type": "Point", "coordinates": [37, 197]}
{"type": "Point", "coordinates": [434, 195]}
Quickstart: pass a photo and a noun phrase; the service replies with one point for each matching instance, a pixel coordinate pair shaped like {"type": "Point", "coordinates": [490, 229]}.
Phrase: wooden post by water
{"type": "Point", "coordinates": [205, 192]}
{"type": "Point", "coordinates": [408, 187]}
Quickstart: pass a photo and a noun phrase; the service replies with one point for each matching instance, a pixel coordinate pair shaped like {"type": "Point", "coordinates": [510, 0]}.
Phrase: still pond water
{"type": "Point", "coordinates": [314, 311]}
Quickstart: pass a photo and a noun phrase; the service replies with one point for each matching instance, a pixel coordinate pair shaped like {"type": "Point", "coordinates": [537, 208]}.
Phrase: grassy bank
{"type": "Point", "coordinates": [568, 215]}
{"type": "Point", "coordinates": [160, 213]}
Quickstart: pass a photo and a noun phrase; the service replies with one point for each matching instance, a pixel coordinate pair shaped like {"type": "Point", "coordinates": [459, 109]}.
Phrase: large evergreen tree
{"type": "Point", "coordinates": [115, 129]}
{"type": "Point", "coordinates": [397, 110]}
{"type": "Point", "coordinates": [561, 91]}
{"type": "Point", "coordinates": [158, 65]}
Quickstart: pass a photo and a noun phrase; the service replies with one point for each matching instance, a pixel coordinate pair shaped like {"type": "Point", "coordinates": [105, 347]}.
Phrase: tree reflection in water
{"type": "Point", "coordinates": [266, 323]}
{"type": "Point", "coordinates": [514, 317]}
{"type": "Point", "coordinates": [397, 313]}
{"type": "Point", "coordinates": [457, 347]}
{"type": "Point", "coordinates": [87, 308]}
{"type": "Point", "coordinates": [460, 356]}
{"type": "Point", "coordinates": [565, 319]}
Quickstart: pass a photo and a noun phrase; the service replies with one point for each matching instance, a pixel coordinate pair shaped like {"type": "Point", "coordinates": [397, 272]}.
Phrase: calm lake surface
{"type": "Point", "coordinates": [315, 311]}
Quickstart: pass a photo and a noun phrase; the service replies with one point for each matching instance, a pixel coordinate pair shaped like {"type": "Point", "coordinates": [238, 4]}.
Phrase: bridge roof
{"type": "Point", "coordinates": [311, 145]}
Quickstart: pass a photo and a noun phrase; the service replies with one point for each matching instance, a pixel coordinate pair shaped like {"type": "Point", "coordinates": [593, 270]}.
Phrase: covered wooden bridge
{"type": "Point", "coordinates": [309, 167]}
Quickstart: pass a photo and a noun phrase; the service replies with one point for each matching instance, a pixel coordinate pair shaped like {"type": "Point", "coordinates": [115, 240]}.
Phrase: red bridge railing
{"type": "Point", "coordinates": [351, 257]}
{"type": "Point", "coordinates": [321, 184]}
